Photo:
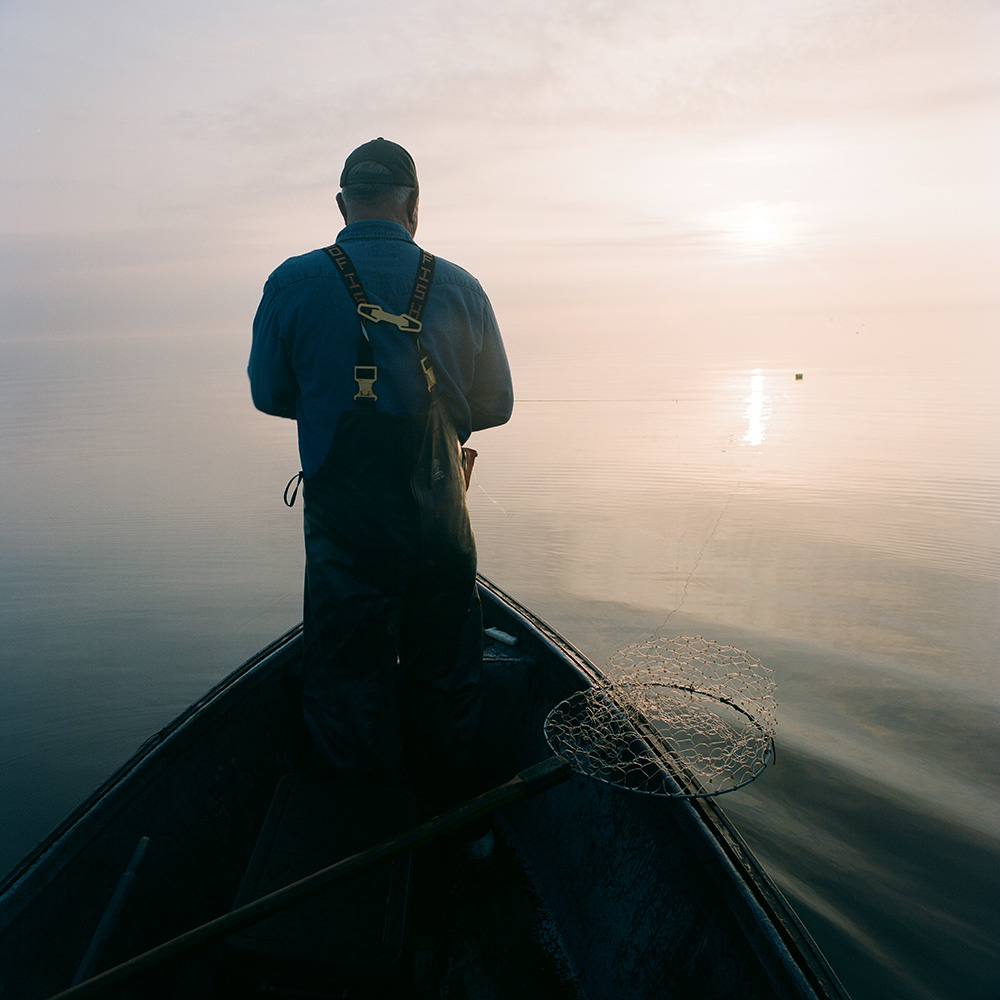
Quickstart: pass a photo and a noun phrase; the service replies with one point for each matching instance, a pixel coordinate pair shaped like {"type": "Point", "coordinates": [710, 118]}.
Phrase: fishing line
{"type": "Point", "coordinates": [701, 552]}
{"type": "Point", "coordinates": [479, 486]}
{"type": "Point", "coordinates": [756, 391]}
{"type": "Point", "coordinates": [756, 399]}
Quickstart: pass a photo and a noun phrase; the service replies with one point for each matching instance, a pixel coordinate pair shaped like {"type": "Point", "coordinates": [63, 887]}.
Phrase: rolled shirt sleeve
{"type": "Point", "coordinates": [272, 381]}
{"type": "Point", "coordinates": [491, 398]}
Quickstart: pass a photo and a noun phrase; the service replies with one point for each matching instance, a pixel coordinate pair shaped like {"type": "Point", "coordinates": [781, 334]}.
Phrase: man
{"type": "Point", "coordinates": [387, 358]}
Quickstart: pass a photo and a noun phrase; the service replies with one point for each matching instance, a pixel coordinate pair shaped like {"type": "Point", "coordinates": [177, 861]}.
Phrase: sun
{"type": "Point", "coordinates": [757, 226]}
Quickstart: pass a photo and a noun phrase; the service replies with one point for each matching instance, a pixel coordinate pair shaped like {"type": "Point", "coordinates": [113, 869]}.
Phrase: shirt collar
{"type": "Point", "coordinates": [374, 229]}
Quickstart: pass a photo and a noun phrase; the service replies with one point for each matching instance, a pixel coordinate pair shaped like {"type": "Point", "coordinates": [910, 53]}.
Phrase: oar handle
{"type": "Point", "coordinates": [535, 779]}
{"type": "Point", "coordinates": [111, 913]}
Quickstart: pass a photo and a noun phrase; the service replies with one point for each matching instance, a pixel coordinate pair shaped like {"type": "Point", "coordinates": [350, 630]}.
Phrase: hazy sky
{"type": "Point", "coordinates": [160, 159]}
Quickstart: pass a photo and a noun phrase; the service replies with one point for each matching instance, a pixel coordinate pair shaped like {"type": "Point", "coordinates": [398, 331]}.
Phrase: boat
{"type": "Point", "coordinates": [594, 892]}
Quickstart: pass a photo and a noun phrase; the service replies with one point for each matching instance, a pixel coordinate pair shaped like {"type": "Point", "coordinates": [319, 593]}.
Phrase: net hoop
{"type": "Point", "coordinates": [683, 717]}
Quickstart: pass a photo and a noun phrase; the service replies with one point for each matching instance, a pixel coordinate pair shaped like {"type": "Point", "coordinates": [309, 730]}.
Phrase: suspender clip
{"type": "Point", "coordinates": [377, 314]}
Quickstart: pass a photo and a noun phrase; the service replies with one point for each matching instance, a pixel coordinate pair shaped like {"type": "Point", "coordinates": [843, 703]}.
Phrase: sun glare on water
{"type": "Point", "coordinates": [756, 418]}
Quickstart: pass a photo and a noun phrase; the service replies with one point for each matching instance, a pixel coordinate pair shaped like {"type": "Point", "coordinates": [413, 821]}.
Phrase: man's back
{"type": "Point", "coordinates": [306, 339]}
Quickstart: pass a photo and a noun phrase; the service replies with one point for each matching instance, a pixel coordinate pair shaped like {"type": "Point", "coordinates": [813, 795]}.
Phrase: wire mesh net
{"type": "Point", "coordinates": [684, 717]}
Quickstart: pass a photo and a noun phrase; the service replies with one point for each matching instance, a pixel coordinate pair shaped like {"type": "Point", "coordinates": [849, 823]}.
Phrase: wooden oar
{"type": "Point", "coordinates": [529, 782]}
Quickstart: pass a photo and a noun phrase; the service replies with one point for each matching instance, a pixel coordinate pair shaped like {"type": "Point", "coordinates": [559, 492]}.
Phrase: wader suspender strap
{"type": "Point", "coordinates": [365, 372]}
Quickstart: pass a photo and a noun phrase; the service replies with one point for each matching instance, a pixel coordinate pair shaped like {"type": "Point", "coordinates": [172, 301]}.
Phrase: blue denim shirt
{"type": "Point", "coordinates": [305, 339]}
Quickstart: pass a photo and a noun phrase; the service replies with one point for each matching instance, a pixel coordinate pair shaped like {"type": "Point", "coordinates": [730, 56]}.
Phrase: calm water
{"type": "Point", "coordinates": [843, 527]}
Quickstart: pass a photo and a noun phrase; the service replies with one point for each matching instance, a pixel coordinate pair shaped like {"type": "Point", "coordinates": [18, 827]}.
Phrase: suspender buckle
{"type": "Point", "coordinates": [365, 376]}
{"type": "Point", "coordinates": [428, 370]}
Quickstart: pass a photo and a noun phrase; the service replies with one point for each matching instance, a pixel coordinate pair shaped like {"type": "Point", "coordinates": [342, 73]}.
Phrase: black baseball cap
{"type": "Point", "coordinates": [385, 153]}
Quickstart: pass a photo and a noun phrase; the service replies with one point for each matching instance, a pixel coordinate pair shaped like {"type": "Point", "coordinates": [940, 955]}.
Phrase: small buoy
{"type": "Point", "coordinates": [798, 375]}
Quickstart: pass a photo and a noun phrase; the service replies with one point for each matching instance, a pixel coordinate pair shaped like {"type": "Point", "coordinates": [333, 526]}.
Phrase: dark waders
{"type": "Point", "coordinates": [393, 628]}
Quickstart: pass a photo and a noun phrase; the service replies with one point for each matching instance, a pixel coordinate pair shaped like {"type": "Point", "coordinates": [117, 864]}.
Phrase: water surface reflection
{"type": "Point", "coordinates": [845, 529]}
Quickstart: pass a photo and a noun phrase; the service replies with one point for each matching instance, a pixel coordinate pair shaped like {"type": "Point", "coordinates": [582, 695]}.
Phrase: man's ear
{"type": "Point", "coordinates": [412, 209]}
{"type": "Point", "coordinates": [342, 206]}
